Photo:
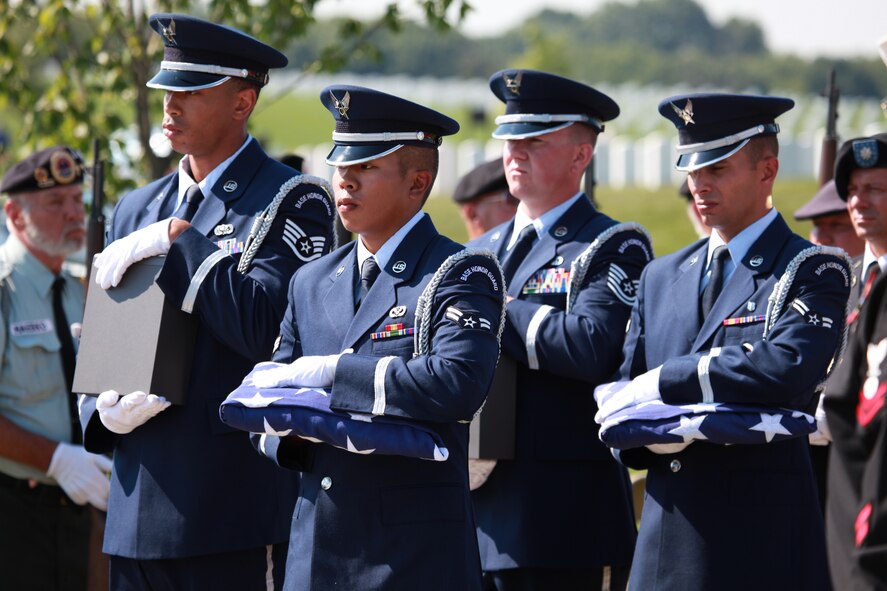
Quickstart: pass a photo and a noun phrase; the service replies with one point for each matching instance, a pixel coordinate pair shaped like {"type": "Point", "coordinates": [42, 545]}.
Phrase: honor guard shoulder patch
{"type": "Point", "coordinates": [307, 248]}
{"type": "Point", "coordinates": [468, 319]}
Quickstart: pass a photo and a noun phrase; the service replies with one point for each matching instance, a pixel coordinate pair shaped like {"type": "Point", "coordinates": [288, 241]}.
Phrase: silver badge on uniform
{"type": "Point", "coordinates": [558, 261]}
{"type": "Point", "coordinates": [560, 231]}
{"type": "Point", "coordinates": [750, 306]}
{"type": "Point", "coordinates": [223, 229]}
{"type": "Point", "coordinates": [399, 267]}
{"type": "Point", "coordinates": [230, 186]}
{"type": "Point", "coordinates": [756, 261]}
{"type": "Point", "coordinates": [397, 311]}
{"type": "Point", "coordinates": [340, 270]}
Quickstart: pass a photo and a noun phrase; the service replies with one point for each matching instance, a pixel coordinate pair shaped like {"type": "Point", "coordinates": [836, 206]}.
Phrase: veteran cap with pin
{"type": "Point", "coordinates": [198, 54]}
{"type": "Point", "coordinates": [714, 126]}
{"type": "Point", "coordinates": [52, 167]}
{"type": "Point", "coordinates": [371, 124]}
{"type": "Point", "coordinates": [861, 152]}
{"type": "Point", "coordinates": [537, 103]}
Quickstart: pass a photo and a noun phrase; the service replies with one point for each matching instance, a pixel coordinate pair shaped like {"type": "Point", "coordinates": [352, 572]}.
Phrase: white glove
{"type": "Point", "coordinates": [613, 397]}
{"type": "Point", "coordinates": [112, 262]}
{"type": "Point", "coordinates": [123, 414]}
{"type": "Point", "coordinates": [82, 475]}
{"type": "Point", "coordinates": [822, 435]}
{"type": "Point", "coordinates": [312, 371]}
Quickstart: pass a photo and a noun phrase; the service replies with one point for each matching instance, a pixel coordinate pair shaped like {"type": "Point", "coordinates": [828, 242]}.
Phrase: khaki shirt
{"type": "Point", "coordinates": [33, 393]}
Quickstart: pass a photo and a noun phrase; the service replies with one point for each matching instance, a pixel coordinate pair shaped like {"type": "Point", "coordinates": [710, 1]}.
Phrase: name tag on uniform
{"type": "Point", "coordinates": [231, 245]}
{"type": "Point", "coordinates": [30, 327]}
{"type": "Point", "coordinates": [553, 280]}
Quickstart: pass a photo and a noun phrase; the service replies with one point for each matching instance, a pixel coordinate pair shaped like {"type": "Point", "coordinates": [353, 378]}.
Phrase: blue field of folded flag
{"type": "Point", "coordinates": [654, 423]}
{"type": "Point", "coordinates": [306, 413]}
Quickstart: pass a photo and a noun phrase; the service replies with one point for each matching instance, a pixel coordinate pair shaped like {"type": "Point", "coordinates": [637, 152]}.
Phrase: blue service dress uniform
{"type": "Point", "coordinates": [743, 516]}
{"type": "Point", "coordinates": [184, 484]}
{"type": "Point", "coordinates": [563, 502]}
{"type": "Point", "coordinates": [374, 522]}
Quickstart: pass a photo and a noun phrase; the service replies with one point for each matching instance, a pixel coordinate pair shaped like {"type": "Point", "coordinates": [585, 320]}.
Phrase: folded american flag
{"type": "Point", "coordinates": [655, 422]}
{"type": "Point", "coordinates": [306, 413]}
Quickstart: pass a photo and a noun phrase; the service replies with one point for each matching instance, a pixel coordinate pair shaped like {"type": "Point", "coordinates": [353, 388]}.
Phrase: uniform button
{"type": "Point", "coordinates": [326, 483]}
{"type": "Point", "coordinates": [675, 465]}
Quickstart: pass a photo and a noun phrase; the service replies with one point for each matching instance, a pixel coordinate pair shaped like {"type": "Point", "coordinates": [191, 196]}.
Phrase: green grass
{"type": "Point", "coordinates": [661, 212]}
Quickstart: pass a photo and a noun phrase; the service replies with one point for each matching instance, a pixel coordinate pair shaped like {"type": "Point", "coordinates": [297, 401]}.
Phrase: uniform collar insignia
{"type": "Point", "coordinates": [513, 84]}
{"type": "Point", "coordinates": [865, 152]}
{"type": "Point", "coordinates": [343, 105]}
{"type": "Point", "coordinates": [169, 32]}
{"type": "Point", "coordinates": [686, 114]}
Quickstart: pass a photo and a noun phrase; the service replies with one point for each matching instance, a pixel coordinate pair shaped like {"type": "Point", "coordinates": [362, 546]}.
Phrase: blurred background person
{"type": "Point", "coordinates": [831, 221]}
{"type": "Point", "coordinates": [483, 198]}
{"type": "Point", "coordinates": [46, 477]}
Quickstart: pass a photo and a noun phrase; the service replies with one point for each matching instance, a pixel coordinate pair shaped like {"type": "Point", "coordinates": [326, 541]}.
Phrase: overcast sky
{"type": "Point", "coordinates": [804, 27]}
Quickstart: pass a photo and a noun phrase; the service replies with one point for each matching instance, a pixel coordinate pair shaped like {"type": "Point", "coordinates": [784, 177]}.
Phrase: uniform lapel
{"type": "Point", "coordinates": [160, 207]}
{"type": "Point", "coordinates": [230, 187]}
{"type": "Point", "coordinates": [338, 300]}
{"type": "Point", "coordinates": [752, 271]}
{"type": "Point", "coordinates": [685, 287]}
{"type": "Point", "coordinates": [400, 269]}
{"type": "Point", "coordinates": [563, 230]}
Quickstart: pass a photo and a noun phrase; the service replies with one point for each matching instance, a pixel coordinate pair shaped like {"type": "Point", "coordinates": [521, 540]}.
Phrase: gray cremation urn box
{"type": "Point", "coordinates": [133, 338]}
{"type": "Point", "coordinates": [491, 434]}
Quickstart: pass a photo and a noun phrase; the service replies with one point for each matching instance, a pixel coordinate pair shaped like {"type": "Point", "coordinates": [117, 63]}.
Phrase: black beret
{"type": "Point", "coordinates": [537, 103]}
{"type": "Point", "coordinates": [714, 126]}
{"type": "Point", "coordinates": [199, 54]}
{"type": "Point", "coordinates": [52, 167]}
{"type": "Point", "coordinates": [484, 178]}
{"type": "Point", "coordinates": [861, 152]}
{"type": "Point", "coordinates": [371, 124]}
{"type": "Point", "coordinates": [825, 202]}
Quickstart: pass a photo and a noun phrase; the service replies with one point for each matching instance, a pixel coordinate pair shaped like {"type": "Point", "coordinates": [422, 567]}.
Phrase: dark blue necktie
{"type": "Point", "coordinates": [715, 280]}
{"type": "Point", "coordinates": [189, 205]}
{"type": "Point", "coordinates": [369, 272]}
{"type": "Point", "coordinates": [518, 252]}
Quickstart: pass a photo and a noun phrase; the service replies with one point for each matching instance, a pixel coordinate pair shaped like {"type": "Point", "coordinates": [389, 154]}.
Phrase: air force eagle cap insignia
{"type": "Point", "coordinates": [52, 167]}
{"type": "Point", "coordinates": [537, 103]}
{"type": "Point", "coordinates": [714, 126]}
{"type": "Point", "coordinates": [371, 124]}
{"type": "Point", "coordinates": [198, 54]}
{"type": "Point", "coordinates": [861, 152]}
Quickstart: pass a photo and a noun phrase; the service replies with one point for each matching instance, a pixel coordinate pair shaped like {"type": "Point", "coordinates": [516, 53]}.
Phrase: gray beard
{"type": "Point", "coordinates": [60, 247]}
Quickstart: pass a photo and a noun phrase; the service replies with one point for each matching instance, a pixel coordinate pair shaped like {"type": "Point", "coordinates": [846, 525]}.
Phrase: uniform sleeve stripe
{"type": "Point", "coordinates": [532, 330]}
{"type": "Point", "coordinates": [379, 385]}
{"type": "Point", "coordinates": [197, 280]}
{"type": "Point", "coordinates": [708, 395]}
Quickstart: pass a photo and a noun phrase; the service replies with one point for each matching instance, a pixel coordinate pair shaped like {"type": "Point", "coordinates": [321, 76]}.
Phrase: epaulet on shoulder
{"type": "Point", "coordinates": [263, 221]}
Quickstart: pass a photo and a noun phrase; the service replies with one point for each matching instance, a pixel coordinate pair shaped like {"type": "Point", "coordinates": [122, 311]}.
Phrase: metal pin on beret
{"type": "Point", "coordinates": [198, 54]}
{"type": "Point", "coordinates": [371, 124]}
{"type": "Point", "coordinates": [52, 167]}
{"type": "Point", "coordinates": [825, 202]}
{"type": "Point", "coordinates": [861, 152]}
{"type": "Point", "coordinates": [482, 179]}
{"type": "Point", "coordinates": [714, 126]}
{"type": "Point", "coordinates": [537, 103]}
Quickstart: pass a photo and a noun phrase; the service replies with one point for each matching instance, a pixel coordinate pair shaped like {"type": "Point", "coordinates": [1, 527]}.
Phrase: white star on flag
{"type": "Point", "coordinates": [258, 401]}
{"type": "Point", "coordinates": [689, 429]}
{"type": "Point", "coordinates": [702, 407]}
{"type": "Point", "coordinates": [770, 425]}
{"type": "Point", "coordinates": [352, 449]}
{"type": "Point", "coordinates": [269, 430]}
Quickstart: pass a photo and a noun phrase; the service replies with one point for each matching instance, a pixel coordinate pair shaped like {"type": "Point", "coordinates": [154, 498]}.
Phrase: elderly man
{"type": "Point", "coordinates": [483, 198]}
{"type": "Point", "coordinates": [832, 225]}
{"type": "Point", "coordinates": [46, 477]}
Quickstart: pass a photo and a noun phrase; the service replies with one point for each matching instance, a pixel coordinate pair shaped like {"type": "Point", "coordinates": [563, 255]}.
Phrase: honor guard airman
{"type": "Point", "coordinates": [191, 504]}
{"type": "Point", "coordinates": [559, 514]}
{"type": "Point", "coordinates": [752, 315]}
{"type": "Point", "coordinates": [409, 328]}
